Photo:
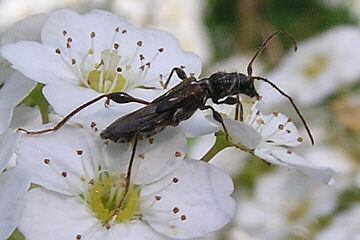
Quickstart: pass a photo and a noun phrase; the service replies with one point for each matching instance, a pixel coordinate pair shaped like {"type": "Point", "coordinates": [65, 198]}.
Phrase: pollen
{"type": "Point", "coordinates": [177, 154]}
{"type": "Point", "coordinates": [103, 199]}
{"type": "Point", "coordinates": [175, 180]}
{"type": "Point", "coordinates": [78, 237]}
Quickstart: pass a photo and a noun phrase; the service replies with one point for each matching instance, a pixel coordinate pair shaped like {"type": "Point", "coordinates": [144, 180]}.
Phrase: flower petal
{"type": "Point", "coordinates": [15, 89]}
{"type": "Point", "coordinates": [242, 133]}
{"type": "Point", "coordinates": [61, 148]}
{"type": "Point", "coordinates": [195, 200]}
{"type": "Point", "coordinates": [154, 158]}
{"type": "Point", "coordinates": [38, 62]}
{"type": "Point", "coordinates": [8, 142]}
{"type": "Point", "coordinates": [64, 102]}
{"type": "Point", "coordinates": [55, 216]}
{"type": "Point", "coordinates": [286, 158]}
{"type": "Point", "coordinates": [68, 217]}
{"type": "Point", "coordinates": [28, 28]}
{"type": "Point", "coordinates": [201, 123]}
{"type": "Point", "coordinates": [14, 184]}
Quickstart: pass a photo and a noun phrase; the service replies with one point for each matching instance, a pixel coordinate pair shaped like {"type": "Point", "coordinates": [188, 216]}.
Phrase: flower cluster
{"type": "Point", "coordinates": [144, 188]}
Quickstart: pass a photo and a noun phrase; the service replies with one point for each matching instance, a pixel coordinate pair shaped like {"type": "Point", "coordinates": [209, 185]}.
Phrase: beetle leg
{"type": "Point", "coordinates": [234, 101]}
{"type": "Point", "coordinates": [118, 97]}
{"type": "Point", "coordinates": [128, 175]}
{"type": "Point", "coordinates": [179, 72]}
{"type": "Point", "coordinates": [218, 118]}
{"type": "Point", "coordinates": [239, 111]}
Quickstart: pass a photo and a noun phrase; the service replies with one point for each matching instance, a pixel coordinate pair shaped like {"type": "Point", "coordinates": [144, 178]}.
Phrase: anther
{"type": "Point", "coordinates": [183, 217]}
{"type": "Point", "coordinates": [139, 43]}
{"type": "Point", "coordinates": [177, 154]}
{"type": "Point", "coordinates": [117, 29]}
{"type": "Point", "coordinates": [68, 45]}
{"type": "Point", "coordinates": [92, 34]}
{"type": "Point", "coordinates": [91, 182]}
{"type": "Point", "coordinates": [288, 131]}
{"type": "Point", "coordinates": [46, 161]}
{"type": "Point", "coordinates": [161, 49]}
{"type": "Point", "coordinates": [175, 180]}
{"type": "Point", "coordinates": [151, 140]}
{"type": "Point", "coordinates": [141, 57]}
{"type": "Point", "coordinates": [93, 124]}
{"type": "Point", "coordinates": [289, 151]}
{"type": "Point", "coordinates": [157, 198]}
{"type": "Point", "coordinates": [141, 155]}
{"type": "Point", "coordinates": [78, 237]}
{"type": "Point", "coordinates": [142, 67]}
{"type": "Point", "coordinates": [300, 139]}
{"type": "Point", "coordinates": [258, 113]}
{"type": "Point", "coordinates": [64, 174]}
{"type": "Point", "coordinates": [147, 64]}
{"type": "Point", "coordinates": [276, 114]}
{"type": "Point", "coordinates": [58, 51]}
{"type": "Point", "coordinates": [281, 127]}
{"type": "Point", "coordinates": [64, 32]}
{"type": "Point", "coordinates": [79, 152]}
{"type": "Point", "coordinates": [69, 40]}
{"type": "Point", "coordinates": [116, 46]}
{"type": "Point", "coordinates": [175, 210]}
{"type": "Point", "coordinates": [289, 120]}
{"type": "Point", "coordinates": [73, 61]}
{"type": "Point", "coordinates": [119, 69]}
{"type": "Point", "coordinates": [182, 66]}
{"type": "Point", "coordinates": [124, 31]}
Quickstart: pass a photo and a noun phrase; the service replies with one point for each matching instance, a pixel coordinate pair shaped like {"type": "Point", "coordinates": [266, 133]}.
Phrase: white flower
{"type": "Point", "coordinates": [83, 56]}
{"type": "Point", "coordinates": [283, 206]}
{"type": "Point", "coordinates": [344, 226]}
{"type": "Point", "coordinates": [82, 181]}
{"type": "Point", "coordinates": [183, 19]}
{"type": "Point", "coordinates": [271, 138]}
{"type": "Point", "coordinates": [16, 86]}
{"type": "Point", "coordinates": [321, 66]}
{"type": "Point", "coordinates": [14, 183]}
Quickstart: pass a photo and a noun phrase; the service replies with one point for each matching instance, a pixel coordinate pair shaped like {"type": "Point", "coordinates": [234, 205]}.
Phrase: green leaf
{"type": "Point", "coordinates": [16, 235]}
{"type": "Point", "coordinates": [36, 98]}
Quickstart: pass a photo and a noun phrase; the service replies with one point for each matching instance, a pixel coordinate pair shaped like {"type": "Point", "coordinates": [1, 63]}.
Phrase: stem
{"type": "Point", "coordinates": [219, 145]}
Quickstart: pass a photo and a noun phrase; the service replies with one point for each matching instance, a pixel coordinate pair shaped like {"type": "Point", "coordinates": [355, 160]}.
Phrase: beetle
{"type": "Point", "coordinates": [179, 104]}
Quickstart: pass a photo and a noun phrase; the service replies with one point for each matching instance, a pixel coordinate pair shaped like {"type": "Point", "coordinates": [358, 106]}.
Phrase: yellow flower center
{"type": "Point", "coordinates": [106, 77]}
{"type": "Point", "coordinates": [315, 66]}
{"type": "Point", "coordinates": [104, 196]}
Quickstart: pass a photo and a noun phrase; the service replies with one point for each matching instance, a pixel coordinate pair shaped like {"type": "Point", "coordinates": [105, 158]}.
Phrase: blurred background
{"type": "Point", "coordinates": [323, 77]}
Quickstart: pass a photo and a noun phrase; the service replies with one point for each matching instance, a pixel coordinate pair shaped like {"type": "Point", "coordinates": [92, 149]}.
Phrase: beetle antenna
{"type": "Point", "coordinates": [263, 45]}
{"type": "Point", "coordinates": [292, 103]}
